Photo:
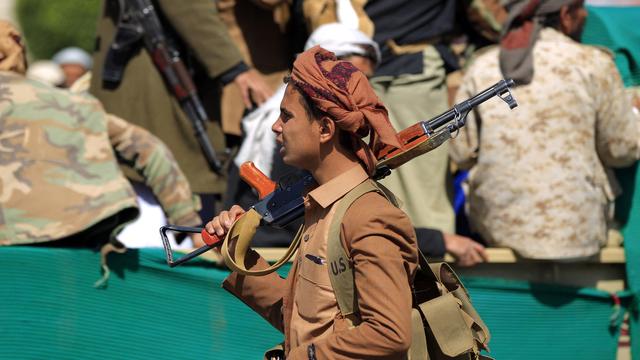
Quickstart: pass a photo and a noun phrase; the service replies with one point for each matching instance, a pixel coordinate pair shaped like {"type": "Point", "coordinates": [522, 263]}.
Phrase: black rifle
{"type": "Point", "coordinates": [139, 21]}
{"type": "Point", "coordinates": [279, 206]}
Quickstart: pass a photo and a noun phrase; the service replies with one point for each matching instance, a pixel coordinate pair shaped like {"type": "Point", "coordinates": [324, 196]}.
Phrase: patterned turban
{"type": "Point", "coordinates": [12, 57]}
{"type": "Point", "coordinates": [340, 90]}
{"type": "Point", "coordinates": [519, 35]}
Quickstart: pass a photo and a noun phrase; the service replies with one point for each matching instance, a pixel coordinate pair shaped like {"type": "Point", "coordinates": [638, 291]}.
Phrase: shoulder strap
{"type": "Point", "coordinates": [340, 268]}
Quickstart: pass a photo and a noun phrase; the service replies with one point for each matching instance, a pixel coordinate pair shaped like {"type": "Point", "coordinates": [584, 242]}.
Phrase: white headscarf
{"type": "Point", "coordinates": [342, 40]}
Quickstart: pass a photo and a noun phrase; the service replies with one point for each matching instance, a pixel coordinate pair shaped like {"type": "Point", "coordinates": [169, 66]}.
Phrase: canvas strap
{"type": "Point", "coordinates": [453, 321]}
{"type": "Point", "coordinates": [340, 264]}
{"type": "Point", "coordinates": [238, 241]}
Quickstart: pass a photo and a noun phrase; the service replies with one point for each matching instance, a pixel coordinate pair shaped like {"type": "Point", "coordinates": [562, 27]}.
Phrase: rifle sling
{"type": "Point", "coordinates": [238, 240]}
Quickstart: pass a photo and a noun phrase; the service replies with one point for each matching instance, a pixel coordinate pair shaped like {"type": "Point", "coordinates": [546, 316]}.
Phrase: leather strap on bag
{"type": "Point", "coordinates": [238, 241]}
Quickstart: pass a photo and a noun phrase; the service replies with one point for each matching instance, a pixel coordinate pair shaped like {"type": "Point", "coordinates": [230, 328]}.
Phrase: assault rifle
{"type": "Point", "coordinates": [139, 21]}
{"type": "Point", "coordinates": [279, 206]}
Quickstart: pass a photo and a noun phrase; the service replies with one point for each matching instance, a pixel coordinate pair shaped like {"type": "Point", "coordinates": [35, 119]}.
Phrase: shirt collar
{"type": "Point", "coordinates": [328, 193]}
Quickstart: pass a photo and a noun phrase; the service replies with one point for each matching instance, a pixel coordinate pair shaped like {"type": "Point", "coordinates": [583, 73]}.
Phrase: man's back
{"type": "Point", "coordinates": [59, 173]}
{"type": "Point", "coordinates": [539, 183]}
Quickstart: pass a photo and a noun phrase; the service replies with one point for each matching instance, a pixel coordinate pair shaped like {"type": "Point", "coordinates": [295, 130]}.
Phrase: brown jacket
{"type": "Point", "coordinates": [382, 245]}
{"type": "Point", "coordinates": [143, 99]}
{"type": "Point", "coordinates": [257, 28]}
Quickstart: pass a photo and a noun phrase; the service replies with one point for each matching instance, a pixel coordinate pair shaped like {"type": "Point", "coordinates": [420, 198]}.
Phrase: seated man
{"type": "Point", "coordinates": [60, 183]}
{"type": "Point", "coordinates": [328, 107]}
{"type": "Point", "coordinates": [538, 182]}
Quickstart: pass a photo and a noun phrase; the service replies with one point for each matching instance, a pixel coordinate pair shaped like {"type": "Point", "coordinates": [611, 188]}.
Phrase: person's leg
{"type": "Point", "coordinates": [424, 183]}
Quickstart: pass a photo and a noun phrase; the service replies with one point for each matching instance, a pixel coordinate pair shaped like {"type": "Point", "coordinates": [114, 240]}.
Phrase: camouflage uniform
{"type": "Point", "coordinates": [58, 170]}
{"type": "Point", "coordinates": [538, 182]}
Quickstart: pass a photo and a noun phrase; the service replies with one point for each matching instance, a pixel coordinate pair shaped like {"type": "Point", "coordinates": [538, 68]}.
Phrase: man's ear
{"type": "Point", "coordinates": [327, 129]}
{"type": "Point", "coordinates": [566, 19]}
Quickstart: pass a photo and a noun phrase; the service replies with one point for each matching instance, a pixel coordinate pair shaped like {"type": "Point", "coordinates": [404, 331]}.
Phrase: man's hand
{"type": "Point", "coordinates": [466, 251]}
{"type": "Point", "coordinates": [252, 87]}
{"type": "Point", "coordinates": [220, 224]}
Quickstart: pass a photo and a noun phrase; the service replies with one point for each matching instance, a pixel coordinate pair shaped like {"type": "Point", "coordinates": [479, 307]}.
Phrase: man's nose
{"type": "Point", "coordinates": [277, 126]}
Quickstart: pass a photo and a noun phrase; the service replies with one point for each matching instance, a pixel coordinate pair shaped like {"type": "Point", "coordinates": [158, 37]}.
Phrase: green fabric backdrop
{"type": "Point", "coordinates": [49, 309]}
{"type": "Point", "coordinates": [617, 28]}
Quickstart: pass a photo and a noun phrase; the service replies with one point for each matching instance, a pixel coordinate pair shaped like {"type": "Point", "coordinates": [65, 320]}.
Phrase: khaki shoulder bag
{"type": "Point", "coordinates": [445, 324]}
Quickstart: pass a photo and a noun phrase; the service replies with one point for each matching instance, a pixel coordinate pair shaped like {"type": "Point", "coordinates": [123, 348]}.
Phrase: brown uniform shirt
{"type": "Point", "coordinates": [382, 245]}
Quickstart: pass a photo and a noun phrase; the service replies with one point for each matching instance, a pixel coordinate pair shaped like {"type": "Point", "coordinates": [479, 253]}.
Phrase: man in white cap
{"type": "Point", "coordinates": [46, 71]}
{"type": "Point", "coordinates": [74, 62]}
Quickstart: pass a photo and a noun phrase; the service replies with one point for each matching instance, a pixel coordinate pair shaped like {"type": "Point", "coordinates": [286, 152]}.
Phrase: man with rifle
{"type": "Point", "coordinates": [329, 106]}
{"type": "Point", "coordinates": [160, 64]}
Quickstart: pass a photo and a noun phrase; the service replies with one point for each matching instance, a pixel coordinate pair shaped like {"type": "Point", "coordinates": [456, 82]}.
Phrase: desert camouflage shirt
{"type": "Point", "coordinates": [58, 169]}
{"type": "Point", "coordinates": [538, 180]}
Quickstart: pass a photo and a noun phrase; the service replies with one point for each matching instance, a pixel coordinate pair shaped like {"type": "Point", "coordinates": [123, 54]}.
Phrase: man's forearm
{"type": "Point", "coordinates": [154, 161]}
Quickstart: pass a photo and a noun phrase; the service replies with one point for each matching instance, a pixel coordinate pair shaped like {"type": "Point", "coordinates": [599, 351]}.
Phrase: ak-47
{"type": "Point", "coordinates": [279, 206]}
{"type": "Point", "coordinates": [139, 21]}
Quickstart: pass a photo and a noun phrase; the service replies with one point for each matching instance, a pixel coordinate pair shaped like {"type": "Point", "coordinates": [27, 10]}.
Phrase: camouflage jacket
{"type": "Point", "coordinates": [538, 180]}
{"type": "Point", "coordinates": [58, 169]}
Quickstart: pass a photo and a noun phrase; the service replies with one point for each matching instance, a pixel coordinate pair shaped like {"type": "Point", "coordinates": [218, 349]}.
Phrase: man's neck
{"type": "Point", "coordinates": [333, 165]}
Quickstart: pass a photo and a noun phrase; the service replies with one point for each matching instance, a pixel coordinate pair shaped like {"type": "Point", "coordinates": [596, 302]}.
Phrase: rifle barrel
{"type": "Point", "coordinates": [464, 107]}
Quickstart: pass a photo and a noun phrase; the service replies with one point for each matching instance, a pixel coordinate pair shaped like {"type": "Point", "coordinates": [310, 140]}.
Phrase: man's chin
{"type": "Point", "coordinates": [288, 160]}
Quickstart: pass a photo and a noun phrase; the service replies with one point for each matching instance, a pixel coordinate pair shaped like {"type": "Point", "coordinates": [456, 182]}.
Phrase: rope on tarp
{"type": "Point", "coordinates": [103, 282]}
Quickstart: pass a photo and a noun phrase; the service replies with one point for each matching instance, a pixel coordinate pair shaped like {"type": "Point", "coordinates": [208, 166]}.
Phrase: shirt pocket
{"type": "Point", "coordinates": [314, 295]}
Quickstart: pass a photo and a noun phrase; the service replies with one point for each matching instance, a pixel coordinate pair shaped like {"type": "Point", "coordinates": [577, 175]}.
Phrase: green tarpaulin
{"type": "Point", "coordinates": [50, 309]}
{"type": "Point", "coordinates": [617, 29]}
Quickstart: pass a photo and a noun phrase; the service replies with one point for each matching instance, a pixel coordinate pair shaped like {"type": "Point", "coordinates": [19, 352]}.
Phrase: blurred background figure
{"type": "Point", "coordinates": [539, 182]}
{"type": "Point", "coordinates": [59, 157]}
{"type": "Point", "coordinates": [74, 62]}
{"type": "Point", "coordinates": [46, 71]}
{"type": "Point", "coordinates": [263, 33]}
{"type": "Point", "coordinates": [143, 97]}
{"type": "Point", "coordinates": [413, 37]}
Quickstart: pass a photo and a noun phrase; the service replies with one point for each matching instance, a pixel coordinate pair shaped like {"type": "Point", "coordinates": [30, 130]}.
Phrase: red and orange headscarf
{"type": "Point", "coordinates": [519, 35]}
{"type": "Point", "coordinates": [340, 90]}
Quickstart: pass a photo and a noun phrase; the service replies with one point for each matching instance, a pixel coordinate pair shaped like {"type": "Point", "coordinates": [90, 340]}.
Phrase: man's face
{"type": "Point", "coordinates": [297, 133]}
{"type": "Point", "coordinates": [72, 72]}
{"type": "Point", "coordinates": [573, 23]}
